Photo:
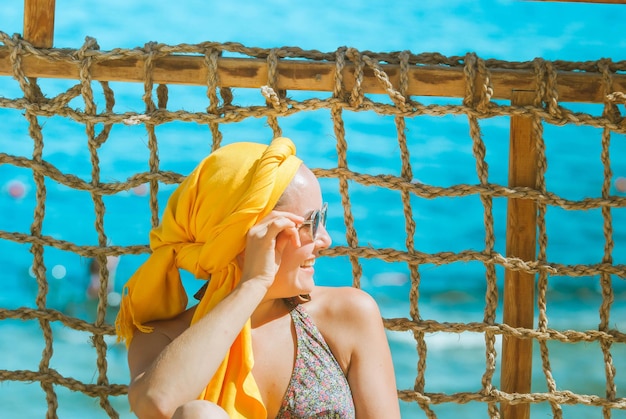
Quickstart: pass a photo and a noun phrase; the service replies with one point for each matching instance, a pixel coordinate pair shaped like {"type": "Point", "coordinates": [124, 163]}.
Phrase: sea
{"type": "Point", "coordinates": [441, 155]}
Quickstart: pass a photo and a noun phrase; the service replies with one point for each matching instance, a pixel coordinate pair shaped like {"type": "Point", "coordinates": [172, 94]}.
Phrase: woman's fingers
{"type": "Point", "coordinates": [266, 242]}
{"type": "Point", "coordinates": [278, 223]}
{"type": "Point", "coordinates": [289, 235]}
{"type": "Point", "coordinates": [288, 231]}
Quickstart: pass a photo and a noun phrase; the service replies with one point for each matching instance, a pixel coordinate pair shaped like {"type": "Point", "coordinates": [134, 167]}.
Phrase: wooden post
{"type": "Point", "coordinates": [39, 22]}
{"type": "Point", "coordinates": [520, 242]}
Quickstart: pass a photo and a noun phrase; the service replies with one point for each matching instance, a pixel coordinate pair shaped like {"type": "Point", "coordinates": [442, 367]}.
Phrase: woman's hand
{"type": "Point", "coordinates": [265, 244]}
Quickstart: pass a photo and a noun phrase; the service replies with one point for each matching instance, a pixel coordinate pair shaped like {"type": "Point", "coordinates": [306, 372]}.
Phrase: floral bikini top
{"type": "Point", "coordinates": [318, 387]}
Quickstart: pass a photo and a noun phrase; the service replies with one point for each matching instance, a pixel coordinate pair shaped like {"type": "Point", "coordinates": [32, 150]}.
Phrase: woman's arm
{"type": "Point", "coordinates": [167, 373]}
{"type": "Point", "coordinates": [371, 374]}
{"type": "Point", "coordinates": [357, 337]}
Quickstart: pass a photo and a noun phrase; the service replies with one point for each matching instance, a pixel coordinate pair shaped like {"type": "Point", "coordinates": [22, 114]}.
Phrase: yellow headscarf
{"type": "Point", "coordinates": [203, 229]}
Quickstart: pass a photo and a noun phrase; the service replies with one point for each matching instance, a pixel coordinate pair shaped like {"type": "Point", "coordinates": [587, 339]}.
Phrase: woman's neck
{"type": "Point", "coordinates": [267, 311]}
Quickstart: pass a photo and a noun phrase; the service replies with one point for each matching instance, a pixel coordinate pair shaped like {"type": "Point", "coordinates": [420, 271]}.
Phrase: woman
{"type": "Point", "coordinates": [263, 341]}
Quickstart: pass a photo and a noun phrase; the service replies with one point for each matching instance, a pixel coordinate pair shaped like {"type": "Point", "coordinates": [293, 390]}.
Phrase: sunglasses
{"type": "Point", "coordinates": [317, 218]}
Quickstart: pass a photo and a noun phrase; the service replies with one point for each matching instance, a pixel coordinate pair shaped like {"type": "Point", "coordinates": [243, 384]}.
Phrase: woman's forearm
{"type": "Point", "coordinates": [185, 366]}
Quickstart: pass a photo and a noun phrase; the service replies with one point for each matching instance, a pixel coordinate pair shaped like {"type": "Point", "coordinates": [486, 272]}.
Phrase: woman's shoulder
{"type": "Point", "coordinates": [146, 347]}
{"type": "Point", "coordinates": [343, 315]}
{"type": "Point", "coordinates": [172, 328]}
{"type": "Point", "coordinates": [343, 301]}
{"type": "Point", "coordinates": [336, 309]}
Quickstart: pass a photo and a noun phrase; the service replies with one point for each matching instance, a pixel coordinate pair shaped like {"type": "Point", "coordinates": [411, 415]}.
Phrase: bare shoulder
{"type": "Point", "coordinates": [345, 317]}
{"type": "Point", "coordinates": [169, 329]}
{"type": "Point", "coordinates": [145, 347]}
{"type": "Point", "coordinates": [339, 303]}
{"type": "Point", "coordinates": [350, 322]}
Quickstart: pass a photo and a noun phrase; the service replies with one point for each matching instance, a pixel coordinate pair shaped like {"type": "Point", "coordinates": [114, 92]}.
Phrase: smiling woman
{"type": "Point", "coordinates": [237, 221]}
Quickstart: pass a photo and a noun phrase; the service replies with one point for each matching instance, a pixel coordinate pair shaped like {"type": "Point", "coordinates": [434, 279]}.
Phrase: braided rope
{"type": "Point", "coordinates": [477, 104]}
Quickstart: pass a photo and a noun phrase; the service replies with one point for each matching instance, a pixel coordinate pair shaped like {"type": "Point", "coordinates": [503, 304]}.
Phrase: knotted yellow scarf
{"type": "Point", "coordinates": [203, 229]}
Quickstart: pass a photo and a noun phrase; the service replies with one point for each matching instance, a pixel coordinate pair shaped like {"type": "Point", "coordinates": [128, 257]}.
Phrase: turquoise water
{"type": "Point", "coordinates": [441, 153]}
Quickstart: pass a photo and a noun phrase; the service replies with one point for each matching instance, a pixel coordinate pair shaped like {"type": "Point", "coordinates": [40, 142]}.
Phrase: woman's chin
{"type": "Point", "coordinates": [305, 284]}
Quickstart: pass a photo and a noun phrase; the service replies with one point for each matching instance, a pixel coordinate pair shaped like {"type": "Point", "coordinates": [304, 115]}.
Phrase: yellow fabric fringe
{"type": "Point", "coordinates": [203, 229]}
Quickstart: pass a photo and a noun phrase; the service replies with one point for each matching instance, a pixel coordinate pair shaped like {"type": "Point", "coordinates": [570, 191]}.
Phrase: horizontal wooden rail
{"type": "Point", "coordinates": [424, 80]}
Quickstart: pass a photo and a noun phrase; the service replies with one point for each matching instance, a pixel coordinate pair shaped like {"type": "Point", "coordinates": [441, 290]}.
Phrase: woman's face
{"type": "Point", "coordinates": [295, 274]}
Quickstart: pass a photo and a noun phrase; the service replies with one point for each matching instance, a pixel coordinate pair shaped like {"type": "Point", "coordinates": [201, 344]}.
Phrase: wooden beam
{"type": "Point", "coordinates": [424, 80]}
{"type": "Point", "coordinates": [519, 286]}
{"type": "Point", "coordinates": [39, 22]}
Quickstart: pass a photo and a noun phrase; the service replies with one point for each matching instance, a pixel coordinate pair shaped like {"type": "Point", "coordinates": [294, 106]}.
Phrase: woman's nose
{"type": "Point", "coordinates": [323, 239]}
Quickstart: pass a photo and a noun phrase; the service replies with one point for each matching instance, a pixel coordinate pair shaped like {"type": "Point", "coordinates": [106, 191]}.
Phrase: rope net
{"type": "Point", "coordinates": [82, 114]}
